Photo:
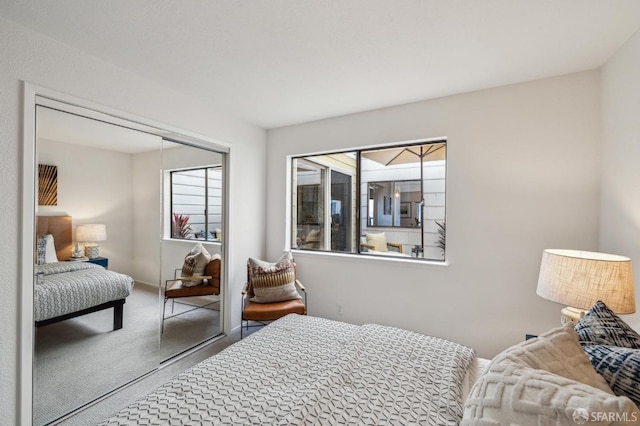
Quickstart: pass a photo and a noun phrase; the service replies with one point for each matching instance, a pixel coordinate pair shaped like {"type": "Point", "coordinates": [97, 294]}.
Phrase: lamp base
{"type": "Point", "coordinates": [92, 251]}
{"type": "Point", "coordinates": [571, 315]}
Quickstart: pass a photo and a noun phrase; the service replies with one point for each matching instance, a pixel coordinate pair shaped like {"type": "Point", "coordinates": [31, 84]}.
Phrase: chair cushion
{"type": "Point", "coordinates": [194, 263]}
{"type": "Point", "coordinates": [272, 311]}
{"type": "Point", "coordinates": [378, 241]}
{"type": "Point", "coordinates": [178, 289]}
{"type": "Point", "coordinates": [273, 282]}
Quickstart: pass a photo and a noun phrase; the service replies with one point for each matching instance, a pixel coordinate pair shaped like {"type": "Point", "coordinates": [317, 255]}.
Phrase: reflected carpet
{"type": "Point", "coordinates": [81, 359]}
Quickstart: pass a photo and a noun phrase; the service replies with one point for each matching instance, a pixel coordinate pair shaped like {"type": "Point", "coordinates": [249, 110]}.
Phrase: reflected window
{"type": "Point", "coordinates": [383, 202]}
{"type": "Point", "coordinates": [309, 214]}
{"type": "Point", "coordinates": [196, 203]}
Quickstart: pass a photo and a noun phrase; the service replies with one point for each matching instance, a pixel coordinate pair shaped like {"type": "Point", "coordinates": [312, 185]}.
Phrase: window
{"type": "Point", "coordinates": [380, 202]}
{"type": "Point", "coordinates": [196, 203]}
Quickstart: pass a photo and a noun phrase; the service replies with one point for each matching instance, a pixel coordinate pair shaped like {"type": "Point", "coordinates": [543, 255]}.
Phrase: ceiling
{"type": "Point", "coordinates": [55, 125]}
{"type": "Point", "coordinates": [280, 62]}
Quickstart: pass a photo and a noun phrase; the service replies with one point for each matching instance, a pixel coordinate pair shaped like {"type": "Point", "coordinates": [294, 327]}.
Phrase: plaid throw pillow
{"type": "Point", "coordinates": [600, 326]}
{"type": "Point", "coordinates": [273, 282]}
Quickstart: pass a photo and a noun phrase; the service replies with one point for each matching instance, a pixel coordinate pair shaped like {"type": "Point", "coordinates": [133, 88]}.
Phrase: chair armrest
{"type": "Point", "coordinates": [195, 277]}
{"type": "Point", "coordinates": [369, 246]}
{"type": "Point", "coordinates": [304, 293]}
{"type": "Point", "coordinates": [243, 299]}
{"type": "Point", "coordinates": [396, 245]}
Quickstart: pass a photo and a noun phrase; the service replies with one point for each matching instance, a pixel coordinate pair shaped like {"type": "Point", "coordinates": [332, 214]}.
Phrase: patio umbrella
{"type": "Point", "coordinates": [410, 154]}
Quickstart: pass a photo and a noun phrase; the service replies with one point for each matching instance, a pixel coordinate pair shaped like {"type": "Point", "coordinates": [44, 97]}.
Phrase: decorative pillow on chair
{"type": "Point", "coordinates": [273, 282]}
{"type": "Point", "coordinates": [194, 264]}
{"type": "Point", "coordinates": [378, 241]}
{"type": "Point", "coordinates": [547, 380]}
{"type": "Point", "coordinates": [46, 249]}
{"type": "Point", "coordinates": [600, 326]}
{"type": "Point", "coordinates": [620, 367]}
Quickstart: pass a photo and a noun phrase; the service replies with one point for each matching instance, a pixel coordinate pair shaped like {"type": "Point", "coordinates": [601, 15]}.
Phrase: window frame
{"type": "Point", "coordinates": [360, 211]}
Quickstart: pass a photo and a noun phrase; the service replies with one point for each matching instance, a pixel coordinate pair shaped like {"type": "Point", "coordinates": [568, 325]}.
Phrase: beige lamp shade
{"type": "Point", "coordinates": [91, 233]}
{"type": "Point", "coordinates": [580, 278]}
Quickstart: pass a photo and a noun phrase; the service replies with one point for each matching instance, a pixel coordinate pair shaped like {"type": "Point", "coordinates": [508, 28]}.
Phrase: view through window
{"type": "Point", "coordinates": [196, 203]}
{"type": "Point", "coordinates": [380, 202]}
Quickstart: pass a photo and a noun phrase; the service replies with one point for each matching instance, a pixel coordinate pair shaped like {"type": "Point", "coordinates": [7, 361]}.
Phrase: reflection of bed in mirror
{"type": "Point", "coordinates": [66, 289]}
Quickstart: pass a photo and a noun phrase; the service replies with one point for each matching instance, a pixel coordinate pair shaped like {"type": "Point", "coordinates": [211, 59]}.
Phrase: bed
{"type": "Point", "coordinates": [302, 370]}
{"type": "Point", "coordinates": [66, 289]}
{"type": "Point", "coordinates": [307, 370]}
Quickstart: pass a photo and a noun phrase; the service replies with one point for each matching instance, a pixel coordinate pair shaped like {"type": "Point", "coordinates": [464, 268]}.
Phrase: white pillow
{"type": "Point", "coordinates": [50, 255]}
{"type": "Point", "coordinates": [544, 381]}
{"type": "Point", "coordinates": [378, 241]}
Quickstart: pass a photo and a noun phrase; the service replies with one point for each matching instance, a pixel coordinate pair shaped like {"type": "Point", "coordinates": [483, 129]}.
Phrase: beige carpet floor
{"type": "Point", "coordinates": [79, 360]}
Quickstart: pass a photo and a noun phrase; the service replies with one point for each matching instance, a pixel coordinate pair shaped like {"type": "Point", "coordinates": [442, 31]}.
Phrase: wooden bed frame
{"type": "Point", "coordinates": [60, 228]}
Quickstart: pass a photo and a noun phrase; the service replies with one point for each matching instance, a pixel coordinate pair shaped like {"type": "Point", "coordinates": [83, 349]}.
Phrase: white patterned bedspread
{"type": "Point", "coordinates": [65, 287]}
{"type": "Point", "coordinates": [302, 370]}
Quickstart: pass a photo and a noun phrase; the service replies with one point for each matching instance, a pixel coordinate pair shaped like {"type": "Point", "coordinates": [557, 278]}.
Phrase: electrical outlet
{"type": "Point", "coordinates": [339, 309]}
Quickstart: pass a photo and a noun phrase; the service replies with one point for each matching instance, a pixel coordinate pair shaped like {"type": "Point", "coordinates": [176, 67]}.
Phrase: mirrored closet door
{"type": "Point", "coordinates": [193, 182]}
{"type": "Point", "coordinates": [107, 246]}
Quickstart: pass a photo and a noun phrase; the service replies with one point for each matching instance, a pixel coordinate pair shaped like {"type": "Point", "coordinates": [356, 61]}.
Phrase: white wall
{"type": "Point", "coordinates": [94, 186]}
{"type": "Point", "coordinates": [620, 201]}
{"type": "Point", "coordinates": [147, 224]}
{"type": "Point", "coordinates": [28, 56]}
{"type": "Point", "coordinates": [522, 176]}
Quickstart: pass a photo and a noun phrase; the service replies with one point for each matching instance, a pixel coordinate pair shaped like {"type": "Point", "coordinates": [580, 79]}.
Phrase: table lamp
{"type": "Point", "coordinates": [89, 234]}
{"type": "Point", "coordinates": [578, 279]}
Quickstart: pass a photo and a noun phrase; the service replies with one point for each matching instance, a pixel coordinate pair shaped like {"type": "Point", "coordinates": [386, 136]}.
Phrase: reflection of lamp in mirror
{"type": "Point", "coordinates": [578, 279]}
{"type": "Point", "coordinates": [89, 234]}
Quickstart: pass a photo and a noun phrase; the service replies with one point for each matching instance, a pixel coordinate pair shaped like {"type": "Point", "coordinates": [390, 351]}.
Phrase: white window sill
{"type": "Point", "coordinates": [194, 241]}
{"type": "Point", "coordinates": [405, 260]}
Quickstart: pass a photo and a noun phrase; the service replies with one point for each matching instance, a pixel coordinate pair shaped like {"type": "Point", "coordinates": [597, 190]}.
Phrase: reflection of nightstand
{"type": "Point", "coordinates": [102, 261]}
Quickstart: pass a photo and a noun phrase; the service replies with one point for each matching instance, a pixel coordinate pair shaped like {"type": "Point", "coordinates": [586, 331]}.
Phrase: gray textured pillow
{"type": "Point", "coordinates": [273, 282]}
{"type": "Point", "coordinates": [543, 381]}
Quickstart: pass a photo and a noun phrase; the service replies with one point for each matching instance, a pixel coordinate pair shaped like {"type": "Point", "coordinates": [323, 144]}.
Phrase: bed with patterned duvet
{"type": "Point", "coordinates": [304, 370]}
{"type": "Point", "coordinates": [65, 290]}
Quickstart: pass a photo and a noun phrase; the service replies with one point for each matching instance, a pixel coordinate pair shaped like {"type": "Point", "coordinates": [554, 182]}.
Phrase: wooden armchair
{"type": "Point", "coordinates": [263, 312]}
{"type": "Point", "coordinates": [378, 242]}
{"type": "Point", "coordinates": [174, 289]}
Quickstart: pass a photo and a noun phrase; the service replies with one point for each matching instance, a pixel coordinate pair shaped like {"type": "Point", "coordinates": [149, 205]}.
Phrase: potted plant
{"type": "Point", "coordinates": [180, 227]}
